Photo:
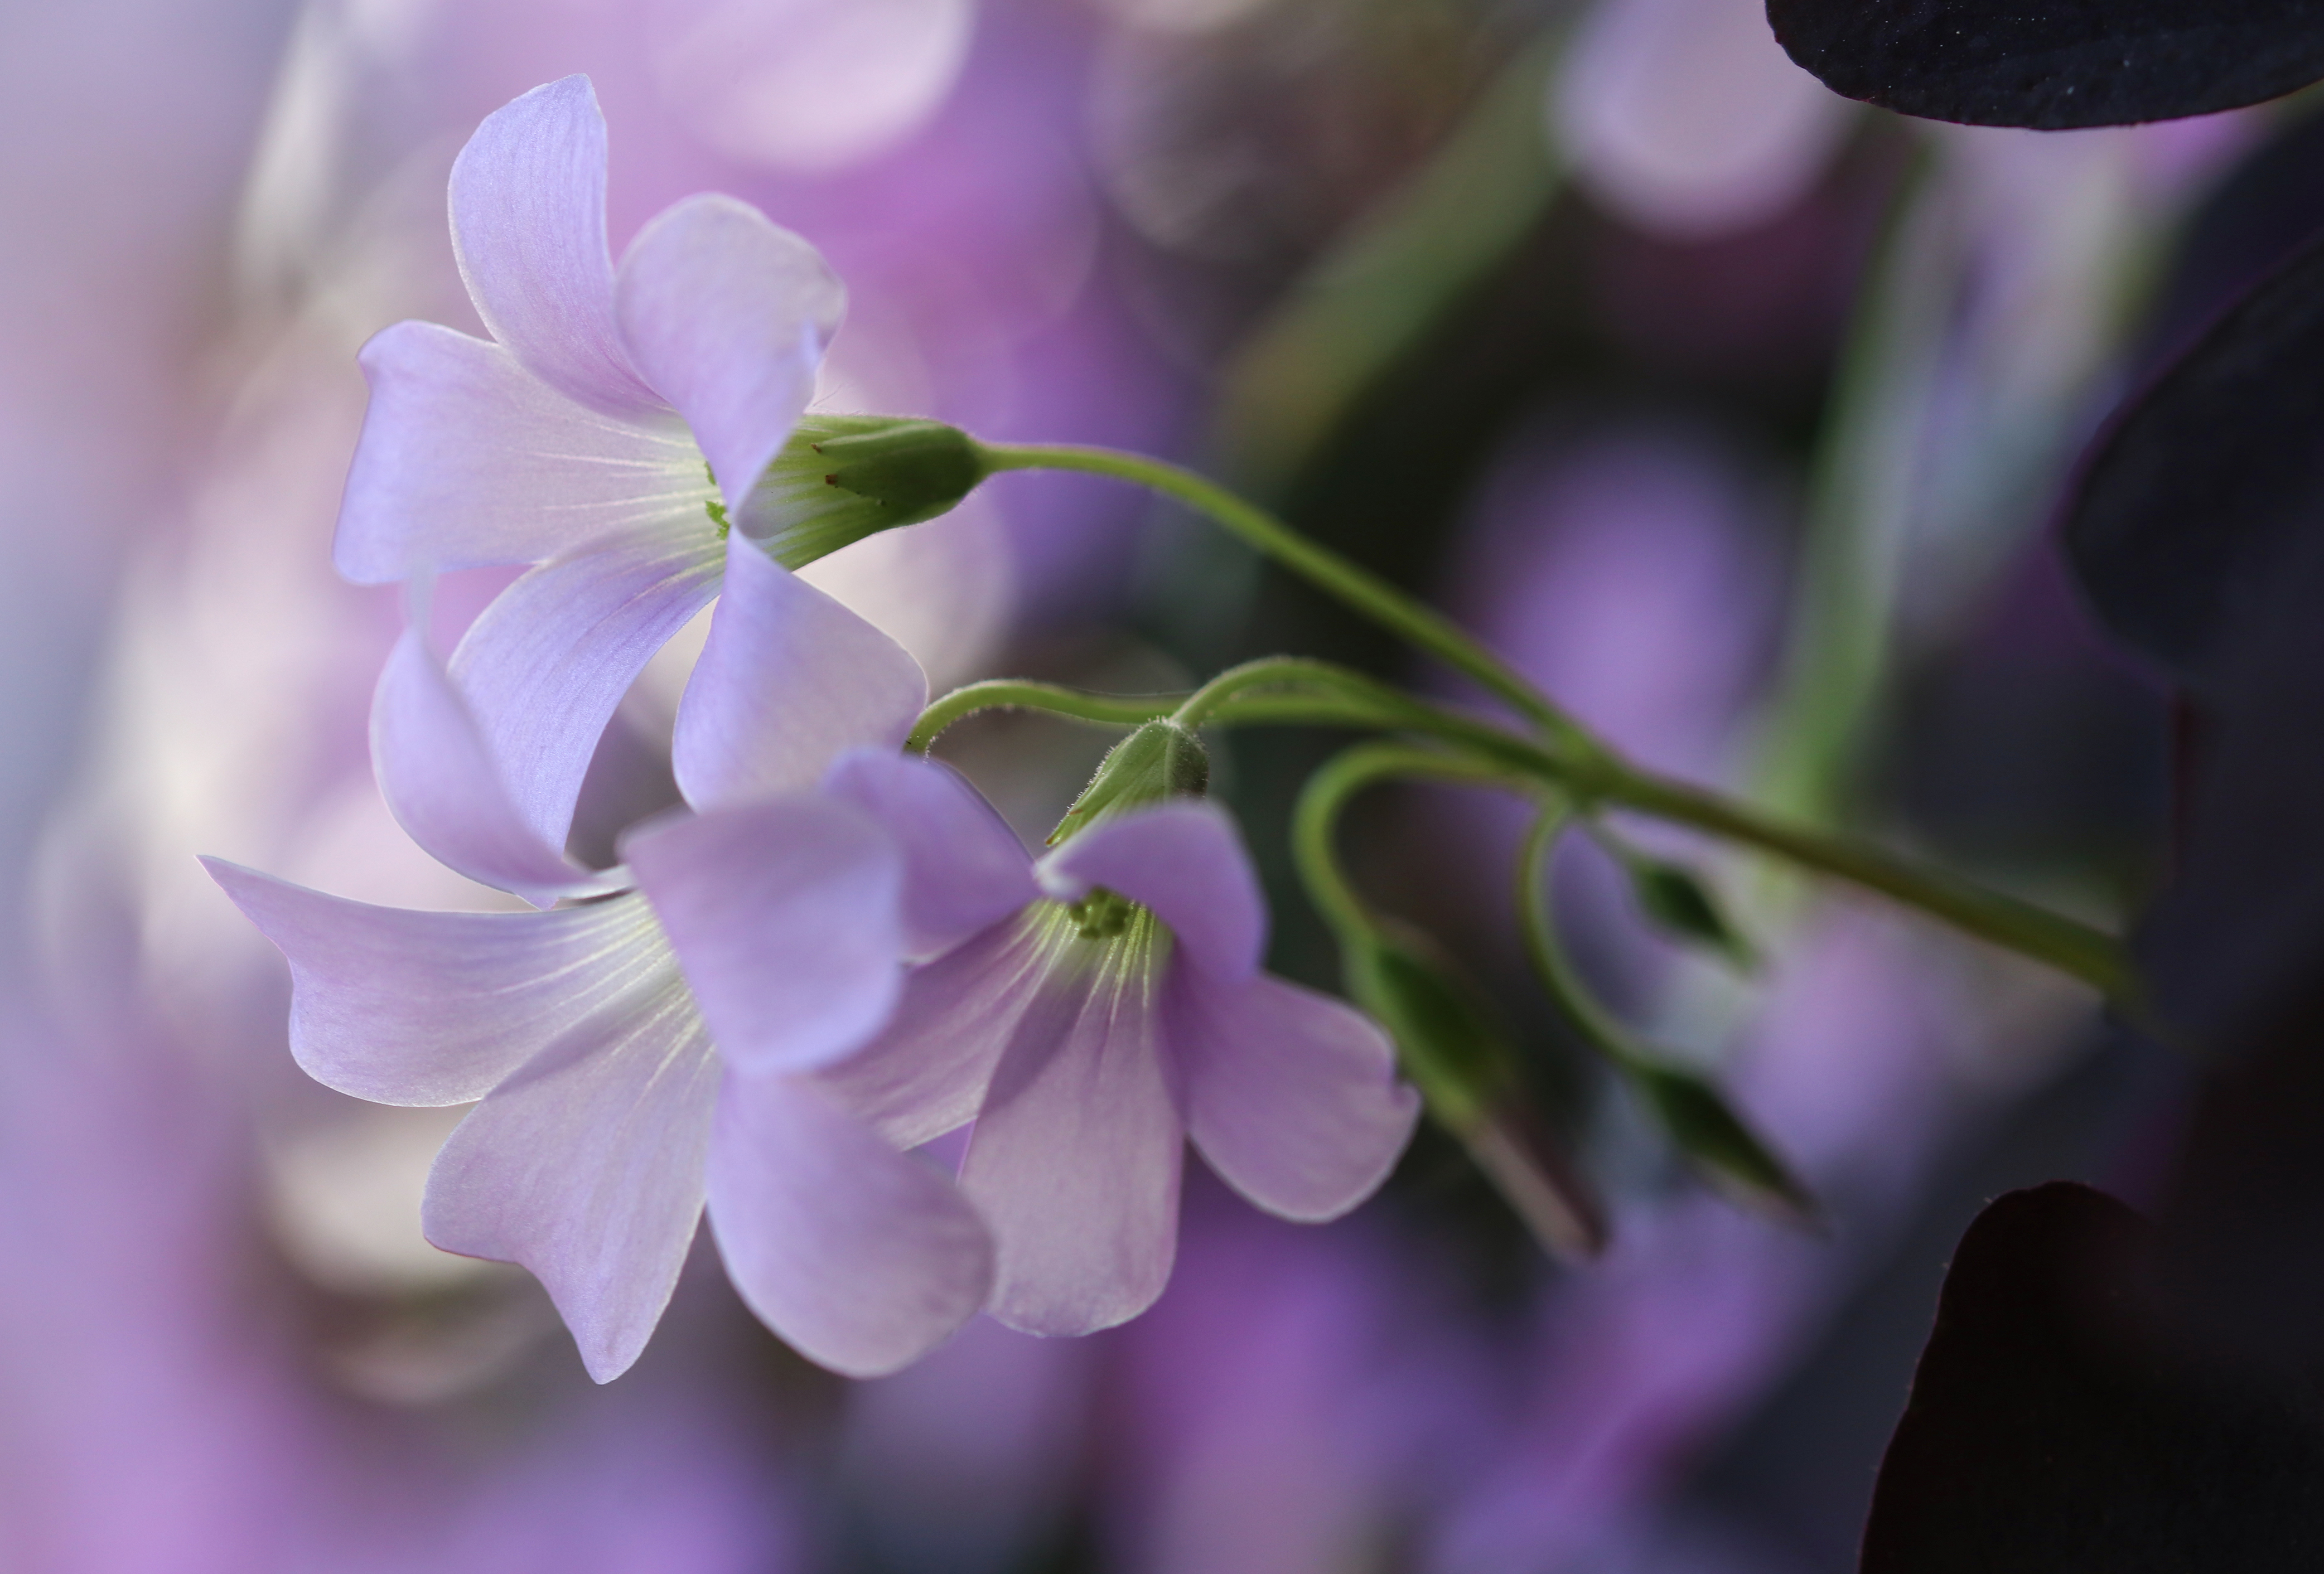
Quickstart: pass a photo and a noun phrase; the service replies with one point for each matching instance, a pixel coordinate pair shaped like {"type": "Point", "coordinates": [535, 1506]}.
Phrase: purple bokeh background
{"type": "Point", "coordinates": [229, 1349]}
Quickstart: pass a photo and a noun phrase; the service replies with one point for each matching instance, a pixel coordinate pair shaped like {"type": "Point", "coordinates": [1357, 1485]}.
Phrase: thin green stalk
{"type": "Point", "coordinates": [1325, 796]}
{"type": "Point", "coordinates": [1549, 959]}
{"type": "Point", "coordinates": [2079, 949]}
{"type": "Point", "coordinates": [1366, 592]}
{"type": "Point", "coordinates": [1017, 693]}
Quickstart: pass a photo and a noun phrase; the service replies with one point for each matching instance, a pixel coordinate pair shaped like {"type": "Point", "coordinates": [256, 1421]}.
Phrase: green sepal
{"type": "Point", "coordinates": [842, 477]}
{"type": "Point", "coordinates": [1707, 1129]}
{"type": "Point", "coordinates": [1159, 761]}
{"type": "Point", "coordinates": [909, 470]}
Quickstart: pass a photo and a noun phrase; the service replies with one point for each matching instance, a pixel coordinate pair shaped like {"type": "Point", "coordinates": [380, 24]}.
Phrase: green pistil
{"type": "Point", "coordinates": [1103, 914]}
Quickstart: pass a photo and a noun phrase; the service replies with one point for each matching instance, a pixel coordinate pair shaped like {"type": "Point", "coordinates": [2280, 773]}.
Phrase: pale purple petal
{"type": "Point", "coordinates": [1292, 1096]}
{"type": "Point", "coordinates": [788, 681]}
{"type": "Point", "coordinates": [726, 316]}
{"type": "Point", "coordinates": [544, 666]}
{"type": "Point", "coordinates": [1074, 1158]}
{"type": "Point", "coordinates": [445, 790]}
{"type": "Point", "coordinates": [863, 1258]}
{"type": "Point", "coordinates": [587, 1166]}
{"type": "Point", "coordinates": [405, 1007]}
{"type": "Point", "coordinates": [1185, 860]}
{"type": "Point", "coordinates": [787, 917]}
{"type": "Point", "coordinates": [963, 867]}
{"type": "Point", "coordinates": [926, 1074]}
{"type": "Point", "coordinates": [468, 459]}
{"type": "Point", "coordinates": [528, 229]}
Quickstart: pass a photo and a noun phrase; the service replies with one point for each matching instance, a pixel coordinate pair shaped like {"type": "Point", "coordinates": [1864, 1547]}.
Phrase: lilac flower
{"type": "Point", "coordinates": [636, 1055]}
{"type": "Point", "coordinates": [583, 437]}
{"type": "Point", "coordinates": [1109, 1007]}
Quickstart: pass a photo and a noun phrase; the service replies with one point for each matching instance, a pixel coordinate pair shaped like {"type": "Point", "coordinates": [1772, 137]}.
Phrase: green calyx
{"type": "Point", "coordinates": [1159, 761]}
{"type": "Point", "coordinates": [842, 477]}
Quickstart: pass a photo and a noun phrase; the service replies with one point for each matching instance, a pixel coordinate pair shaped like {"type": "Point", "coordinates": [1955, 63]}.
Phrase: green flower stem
{"type": "Point", "coordinates": [1017, 693]}
{"type": "Point", "coordinates": [2079, 949]}
{"type": "Point", "coordinates": [1316, 821]}
{"type": "Point", "coordinates": [1548, 952]}
{"type": "Point", "coordinates": [1359, 587]}
{"type": "Point", "coordinates": [1289, 690]}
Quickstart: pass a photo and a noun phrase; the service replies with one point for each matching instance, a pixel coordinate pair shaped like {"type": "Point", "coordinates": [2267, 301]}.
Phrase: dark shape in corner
{"type": "Point", "coordinates": [2049, 1430]}
{"type": "Point", "coordinates": [2059, 65]}
{"type": "Point", "coordinates": [2190, 503]}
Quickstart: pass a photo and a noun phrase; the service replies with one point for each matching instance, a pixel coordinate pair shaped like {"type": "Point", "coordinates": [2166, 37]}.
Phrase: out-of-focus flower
{"type": "Point", "coordinates": [1116, 1010]}
{"type": "Point", "coordinates": [774, 924]}
{"type": "Point", "coordinates": [1686, 118]}
{"type": "Point", "coordinates": [806, 84]}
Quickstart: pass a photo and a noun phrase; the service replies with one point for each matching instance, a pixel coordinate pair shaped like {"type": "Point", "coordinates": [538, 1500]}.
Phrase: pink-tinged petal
{"type": "Point", "coordinates": [863, 1258]}
{"type": "Point", "coordinates": [405, 1007]}
{"type": "Point", "coordinates": [788, 681]}
{"type": "Point", "coordinates": [444, 789]}
{"type": "Point", "coordinates": [1074, 1158]}
{"type": "Point", "coordinates": [787, 917]}
{"type": "Point", "coordinates": [1292, 1096]}
{"type": "Point", "coordinates": [543, 667]}
{"type": "Point", "coordinates": [964, 870]}
{"type": "Point", "coordinates": [529, 230]}
{"type": "Point", "coordinates": [927, 1073]}
{"type": "Point", "coordinates": [1185, 860]}
{"type": "Point", "coordinates": [587, 1166]}
{"type": "Point", "coordinates": [726, 315]}
{"type": "Point", "coordinates": [468, 459]}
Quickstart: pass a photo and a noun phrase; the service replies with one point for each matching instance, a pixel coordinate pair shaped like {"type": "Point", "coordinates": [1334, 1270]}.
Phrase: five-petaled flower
{"type": "Point", "coordinates": [1114, 1010]}
{"type": "Point", "coordinates": [636, 1053]}
{"type": "Point", "coordinates": [581, 439]}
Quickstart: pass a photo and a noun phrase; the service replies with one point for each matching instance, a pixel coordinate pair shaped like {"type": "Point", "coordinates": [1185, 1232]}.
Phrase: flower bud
{"type": "Point", "coordinates": [843, 477]}
{"type": "Point", "coordinates": [1467, 1074]}
{"type": "Point", "coordinates": [1160, 760]}
{"type": "Point", "coordinates": [1709, 1132]}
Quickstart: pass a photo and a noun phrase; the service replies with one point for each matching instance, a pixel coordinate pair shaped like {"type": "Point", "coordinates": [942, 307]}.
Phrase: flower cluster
{"type": "Point", "coordinates": [837, 951]}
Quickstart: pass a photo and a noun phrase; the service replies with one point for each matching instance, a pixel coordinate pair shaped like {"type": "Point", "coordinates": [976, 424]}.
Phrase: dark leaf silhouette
{"type": "Point", "coordinates": [2049, 1432]}
{"type": "Point", "coordinates": [2055, 66]}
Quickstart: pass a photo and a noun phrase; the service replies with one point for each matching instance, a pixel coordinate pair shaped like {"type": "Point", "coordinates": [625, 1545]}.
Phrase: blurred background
{"type": "Point", "coordinates": [1729, 411]}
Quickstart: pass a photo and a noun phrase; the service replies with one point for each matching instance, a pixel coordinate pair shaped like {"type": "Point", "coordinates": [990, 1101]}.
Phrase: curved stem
{"type": "Point", "coordinates": [1361, 589]}
{"type": "Point", "coordinates": [1548, 954]}
{"type": "Point", "coordinates": [1015, 694]}
{"type": "Point", "coordinates": [1326, 794]}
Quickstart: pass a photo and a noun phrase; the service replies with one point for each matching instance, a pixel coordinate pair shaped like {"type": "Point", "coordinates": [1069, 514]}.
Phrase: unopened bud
{"type": "Point", "coordinates": [1467, 1074]}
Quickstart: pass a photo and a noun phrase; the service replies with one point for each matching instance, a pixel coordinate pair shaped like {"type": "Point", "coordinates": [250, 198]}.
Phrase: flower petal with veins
{"type": "Point", "coordinates": [447, 791]}
{"type": "Point", "coordinates": [528, 200]}
{"type": "Point", "coordinates": [468, 459]}
{"type": "Point", "coordinates": [726, 315]}
{"type": "Point", "coordinates": [786, 919]}
{"type": "Point", "coordinates": [543, 667]}
{"type": "Point", "coordinates": [861, 1258]}
{"type": "Point", "coordinates": [964, 867]}
{"type": "Point", "coordinates": [789, 680]}
{"type": "Point", "coordinates": [1074, 1161]}
{"type": "Point", "coordinates": [1292, 1096]}
{"type": "Point", "coordinates": [587, 1167]}
{"type": "Point", "coordinates": [428, 1008]}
